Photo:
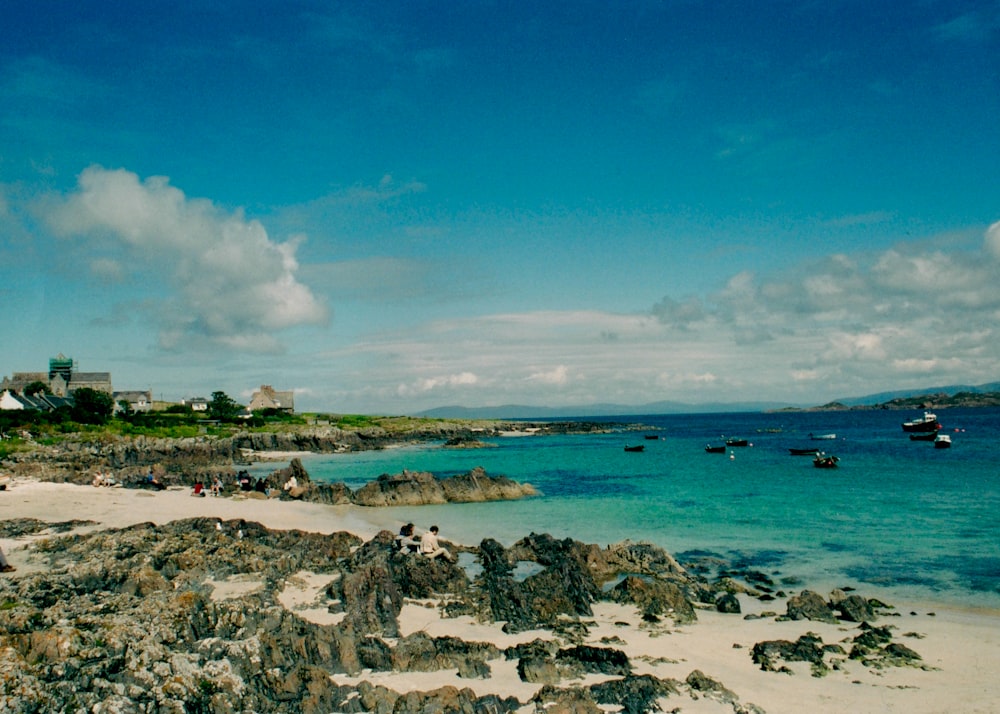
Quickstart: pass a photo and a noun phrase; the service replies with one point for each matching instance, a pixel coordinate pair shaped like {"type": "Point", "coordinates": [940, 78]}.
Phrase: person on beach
{"type": "Point", "coordinates": [217, 486]}
{"type": "Point", "coordinates": [5, 567]}
{"type": "Point", "coordinates": [430, 547]}
{"type": "Point", "coordinates": [406, 541]}
{"type": "Point", "coordinates": [199, 489]}
{"type": "Point", "coordinates": [154, 482]}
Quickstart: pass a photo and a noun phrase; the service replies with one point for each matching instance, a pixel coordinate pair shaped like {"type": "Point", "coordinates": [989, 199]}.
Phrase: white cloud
{"type": "Point", "coordinates": [225, 281]}
{"type": "Point", "coordinates": [558, 375]}
{"type": "Point", "coordinates": [992, 240]}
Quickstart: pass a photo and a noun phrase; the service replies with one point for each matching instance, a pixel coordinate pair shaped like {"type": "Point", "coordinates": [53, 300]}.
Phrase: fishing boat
{"type": "Point", "coordinates": [715, 449]}
{"type": "Point", "coordinates": [928, 422]}
{"type": "Point", "coordinates": [822, 437]}
{"type": "Point", "coordinates": [804, 452]}
{"type": "Point", "coordinates": [942, 441]}
{"type": "Point", "coordinates": [822, 461]}
{"type": "Point", "coordinates": [640, 447]}
{"type": "Point", "coordinates": [923, 436]}
{"type": "Point", "coordinates": [737, 442]}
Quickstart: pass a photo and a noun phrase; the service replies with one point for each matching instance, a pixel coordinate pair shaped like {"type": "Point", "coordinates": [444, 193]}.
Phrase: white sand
{"type": "Point", "coordinates": [960, 649]}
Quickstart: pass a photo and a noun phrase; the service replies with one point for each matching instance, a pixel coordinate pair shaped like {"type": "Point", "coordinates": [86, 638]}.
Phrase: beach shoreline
{"type": "Point", "coordinates": [957, 645]}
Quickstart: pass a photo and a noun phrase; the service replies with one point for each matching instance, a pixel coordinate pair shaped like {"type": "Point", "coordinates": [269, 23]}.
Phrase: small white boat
{"type": "Point", "coordinates": [822, 437]}
{"type": "Point", "coordinates": [942, 441]}
{"type": "Point", "coordinates": [928, 422]}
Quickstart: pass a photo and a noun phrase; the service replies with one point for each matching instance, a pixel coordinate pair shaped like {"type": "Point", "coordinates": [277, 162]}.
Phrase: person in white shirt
{"type": "Point", "coordinates": [430, 547]}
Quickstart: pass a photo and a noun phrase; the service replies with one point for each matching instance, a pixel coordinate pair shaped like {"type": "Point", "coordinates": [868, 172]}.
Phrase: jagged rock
{"type": "Point", "coordinates": [635, 694]}
{"type": "Point", "coordinates": [421, 577]}
{"type": "Point", "coordinates": [808, 605]}
{"type": "Point", "coordinates": [420, 652]}
{"type": "Point", "coordinates": [655, 597]}
{"type": "Point", "coordinates": [371, 597]}
{"type": "Point", "coordinates": [415, 488]}
{"type": "Point", "coordinates": [566, 582]}
{"type": "Point", "coordinates": [572, 700]}
{"type": "Point", "coordinates": [132, 619]}
{"type": "Point", "coordinates": [641, 559]}
{"type": "Point", "coordinates": [855, 608]}
{"type": "Point", "coordinates": [600, 660]}
{"type": "Point", "coordinates": [701, 682]}
{"type": "Point", "coordinates": [728, 603]}
{"type": "Point", "coordinates": [808, 648]}
{"type": "Point", "coordinates": [539, 670]}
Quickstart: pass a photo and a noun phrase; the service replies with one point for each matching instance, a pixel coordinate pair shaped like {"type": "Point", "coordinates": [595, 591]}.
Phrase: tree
{"type": "Point", "coordinates": [223, 408]}
{"type": "Point", "coordinates": [36, 387]}
{"type": "Point", "coordinates": [91, 406]}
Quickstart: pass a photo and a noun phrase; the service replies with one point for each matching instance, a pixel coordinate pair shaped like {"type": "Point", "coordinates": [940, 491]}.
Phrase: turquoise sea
{"type": "Point", "coordinates": [897, 518]}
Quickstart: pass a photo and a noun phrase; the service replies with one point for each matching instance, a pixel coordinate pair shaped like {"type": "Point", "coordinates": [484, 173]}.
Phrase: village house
{"type": "Point", "coordinates": [196, 404]}
{"type": "Point", "coordinates": [137, 401]}
{"type": "Point", "coordinates": [269, 398]}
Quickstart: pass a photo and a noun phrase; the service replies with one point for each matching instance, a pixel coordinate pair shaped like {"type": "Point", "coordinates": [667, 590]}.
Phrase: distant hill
{"type": "Point", "coordinates": [903, 398]}
{"type": "Point", "coordinates": [952, 390]}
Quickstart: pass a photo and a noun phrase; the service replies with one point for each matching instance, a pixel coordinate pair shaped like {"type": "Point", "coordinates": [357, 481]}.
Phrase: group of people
{"type": "Point", "coordinates": [103, 479]}
{"type": "Point", "coordinates": [427, 545]}
{"type": "Point", "coordinates": [199, 488]}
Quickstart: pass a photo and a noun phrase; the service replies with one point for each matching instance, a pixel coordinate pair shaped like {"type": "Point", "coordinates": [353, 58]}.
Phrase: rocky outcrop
{"type": "Point", "coordinates": [136, 620]}
{"type": "Point", "coordinates": [183, 461]}
{"type": "Point", "coordinates": [414, 488]}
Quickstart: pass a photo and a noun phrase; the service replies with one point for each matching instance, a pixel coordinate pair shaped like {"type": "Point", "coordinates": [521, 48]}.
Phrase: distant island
{"type": "Point", "coordinates": [940, 400]}
{"type": "Point", "coordinates": [939, 397]}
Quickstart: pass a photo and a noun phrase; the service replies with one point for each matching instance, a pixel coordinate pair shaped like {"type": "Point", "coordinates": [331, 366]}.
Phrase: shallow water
{"type": "Point", "coordinates": [896, 516]}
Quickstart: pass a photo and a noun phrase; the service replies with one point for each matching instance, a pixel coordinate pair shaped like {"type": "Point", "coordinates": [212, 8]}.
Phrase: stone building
{"type": "Point", "coordinates": [61, 379]}
{"type": "Point", "coordinates": [269, 398]}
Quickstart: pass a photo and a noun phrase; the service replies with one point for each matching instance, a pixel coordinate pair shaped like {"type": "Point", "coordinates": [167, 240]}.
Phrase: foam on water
{"type": "Point", "coordinates": [896, 515]}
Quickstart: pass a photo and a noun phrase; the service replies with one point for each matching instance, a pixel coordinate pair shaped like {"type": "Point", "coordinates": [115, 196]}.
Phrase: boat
{"type": "Point", "coordinates": [942, 441]}
{"type": "Point", "coordinates": [715, 449]}
{"type": "Point", "coordinates": [640, 447]}
{"type": "Point", "coordinates": [652, 437]}
{"type": "Point", "coordinates": [822, 437]}
{"type": "Point", "coordinates": [804, 452]}
{"type": "Point", "coordinates": [822, 461]}
{"type": "Point", "coordinates": [923, 436]}
{"type": "Point", "coordinates": [928, 422]}
{"type": "Point", "coordinates": [737, 442]}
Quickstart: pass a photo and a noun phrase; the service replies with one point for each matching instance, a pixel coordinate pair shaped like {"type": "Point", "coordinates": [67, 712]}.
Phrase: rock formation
{"type": "Point", "coordinates": [138, 620]}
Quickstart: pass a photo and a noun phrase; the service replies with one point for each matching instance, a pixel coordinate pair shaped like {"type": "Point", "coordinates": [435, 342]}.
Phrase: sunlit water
{"type": "Point", "coordinates": [896, 517]}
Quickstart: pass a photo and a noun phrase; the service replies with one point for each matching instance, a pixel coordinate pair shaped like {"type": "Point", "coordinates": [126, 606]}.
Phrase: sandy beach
{"type": "Point", "coordinates": [960, 649]}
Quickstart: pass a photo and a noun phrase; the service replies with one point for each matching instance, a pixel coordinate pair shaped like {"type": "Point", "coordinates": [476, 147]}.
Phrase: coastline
{"type": "Point", "coordinates": [958, 646]}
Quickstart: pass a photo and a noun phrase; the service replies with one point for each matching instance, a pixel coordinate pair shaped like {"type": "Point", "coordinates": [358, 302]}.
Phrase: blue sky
{"type": "Point", "coordinates": [392, 206]}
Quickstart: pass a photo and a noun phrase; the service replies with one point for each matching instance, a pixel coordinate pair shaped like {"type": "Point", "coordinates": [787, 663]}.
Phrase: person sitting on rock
{"type": "Point", "coordinates": [430, 547]}
{"type": "Point", "coordinates": [406, 541]}
{"type": "Point", "coordinates": [154, 482]}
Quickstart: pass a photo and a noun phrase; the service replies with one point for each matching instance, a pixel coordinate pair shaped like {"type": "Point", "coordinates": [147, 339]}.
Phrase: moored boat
{"type": "Point", "coordinates": [822, 437]}
{"type": "Point", "coordinates": [942, 441]}
{"type": "Point", "coordinates": [822, 461]}
{"type": "Point", "coordinates": [737, 442]}
{"type": "Point", "coordinates": [923, 436]}
{"type": "Point", "coordinates": [928, 422]}
{"type": "Point", "coordinates": [804, 452]}
{"type": "Point", "coordinates": [640, 447]}
{"type": "Point", "coordinates": [715, 449]}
